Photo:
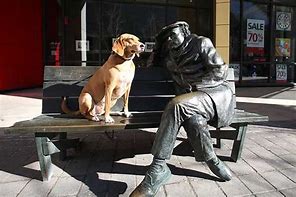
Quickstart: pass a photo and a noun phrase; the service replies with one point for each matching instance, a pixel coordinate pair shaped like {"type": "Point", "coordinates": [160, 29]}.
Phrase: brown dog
{"type": "Point", "coordinates": [110, 82]}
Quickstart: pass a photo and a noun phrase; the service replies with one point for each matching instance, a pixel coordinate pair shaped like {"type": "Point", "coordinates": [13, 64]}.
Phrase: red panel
{"type": "Point", "coordinates": [21, 44]}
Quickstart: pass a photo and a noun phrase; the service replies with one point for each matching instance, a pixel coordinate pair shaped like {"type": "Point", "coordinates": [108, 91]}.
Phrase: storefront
{"type": "Point", "coordinates": [257, 37]}
{"type": "Point", "coordinates": [263, 41]}
{"type": "Point", "coordinates": [81, 32]}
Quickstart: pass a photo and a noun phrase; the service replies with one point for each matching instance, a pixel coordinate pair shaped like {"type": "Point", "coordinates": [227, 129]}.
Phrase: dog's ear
{"type": "Point", "coordinates": [118, 46]}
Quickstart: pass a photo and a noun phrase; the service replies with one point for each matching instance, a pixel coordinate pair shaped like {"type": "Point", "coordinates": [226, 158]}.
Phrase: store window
{"type": "Point", "coordinates": [263, 41]}
{"type": "Point", "coordinates": [85, 29]}
{"type": "Point", "coordinates": [256, 45]}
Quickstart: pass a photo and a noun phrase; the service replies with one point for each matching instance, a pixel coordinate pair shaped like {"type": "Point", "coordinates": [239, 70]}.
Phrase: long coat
{"type": "Point", "coordinates": [196, 66]}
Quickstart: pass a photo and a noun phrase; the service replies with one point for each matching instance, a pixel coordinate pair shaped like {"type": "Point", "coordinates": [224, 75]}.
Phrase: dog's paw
{"type": "Point", "coordinates": [95, 118]}
{"type": "Point", "coordinates": [128, 114]}
{"type": "Point", "coordinates": [109, 119]}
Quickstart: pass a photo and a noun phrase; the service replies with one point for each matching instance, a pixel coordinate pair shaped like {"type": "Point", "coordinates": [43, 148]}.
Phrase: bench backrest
{"type": "Point", "coordinates": [152, 88]}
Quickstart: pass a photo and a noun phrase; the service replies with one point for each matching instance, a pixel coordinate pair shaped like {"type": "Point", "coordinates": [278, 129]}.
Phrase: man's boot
{"type": "Point", "coordinates": [219, 169]}
{"type": "Point", "coordinates": [157, 175]}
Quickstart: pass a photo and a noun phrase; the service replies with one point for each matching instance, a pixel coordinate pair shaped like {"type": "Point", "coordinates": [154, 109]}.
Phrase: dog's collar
{"type": "Point", "coordinates": [125, 59]}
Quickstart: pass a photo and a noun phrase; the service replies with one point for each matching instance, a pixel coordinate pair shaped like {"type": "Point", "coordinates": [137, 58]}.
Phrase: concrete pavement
{"type": "Point", "coordinates": [113, 167]}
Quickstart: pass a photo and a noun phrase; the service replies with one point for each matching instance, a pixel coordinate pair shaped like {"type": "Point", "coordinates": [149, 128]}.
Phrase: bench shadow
{"type": "Point", "coordinates": [98, 157]}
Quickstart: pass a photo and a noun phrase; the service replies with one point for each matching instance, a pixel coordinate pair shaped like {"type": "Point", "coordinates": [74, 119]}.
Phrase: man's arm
{"type": "Point", "coordinates": [212, 60]}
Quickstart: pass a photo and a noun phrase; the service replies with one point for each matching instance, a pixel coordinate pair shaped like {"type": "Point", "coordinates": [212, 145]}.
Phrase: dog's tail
{"type": "Point", "coordinates": [66, 109]}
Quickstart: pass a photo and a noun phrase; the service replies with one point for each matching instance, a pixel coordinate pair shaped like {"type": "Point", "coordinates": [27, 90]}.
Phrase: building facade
{"type": "Point", "coordinates": [256, 37]}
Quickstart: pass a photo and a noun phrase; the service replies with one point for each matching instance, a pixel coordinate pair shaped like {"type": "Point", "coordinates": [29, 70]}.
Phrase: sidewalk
{"type": "Point", "coordinates": [106, 167]}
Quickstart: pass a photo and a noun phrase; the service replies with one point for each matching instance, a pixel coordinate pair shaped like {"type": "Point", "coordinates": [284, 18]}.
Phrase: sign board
{"type": "Point", "coordinates": [281, 72]}
{"type": "Point", "coordinates": [255, 33]}
{"type": "Point", "coordinates": [149, 46]}
{"type": "Point", "coordinates": [82, 45]}
{"type": "Point", "coordinates": [282, 47]}
{"type": "Point", "coordinates": [283, 21]}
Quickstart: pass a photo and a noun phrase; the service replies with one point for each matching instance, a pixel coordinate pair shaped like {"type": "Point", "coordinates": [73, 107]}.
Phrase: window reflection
{"type": "Point", "coordinates": [84, 29]}
{"type": "Point", "coordinates": [256, 32]}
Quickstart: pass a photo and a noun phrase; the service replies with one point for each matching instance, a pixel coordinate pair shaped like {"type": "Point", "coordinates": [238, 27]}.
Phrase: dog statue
{"type": "Point", "coordinates": [110, 82]}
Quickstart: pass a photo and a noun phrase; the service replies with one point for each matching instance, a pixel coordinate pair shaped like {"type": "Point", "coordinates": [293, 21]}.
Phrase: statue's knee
{"type": "Point", "coordinates": [173, 104]}
{"type": "Point", "coordinates": [198, 120]}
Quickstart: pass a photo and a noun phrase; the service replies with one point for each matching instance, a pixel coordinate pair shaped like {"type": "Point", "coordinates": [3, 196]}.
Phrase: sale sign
{"type": "Point", "coordinates": [255, 33]}
{"type": "Point", "coordinates": [281, 72]}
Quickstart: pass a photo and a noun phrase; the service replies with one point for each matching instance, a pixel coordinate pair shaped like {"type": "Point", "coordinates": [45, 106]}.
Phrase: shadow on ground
{"type": "Point", "coordinates": [98, 155]}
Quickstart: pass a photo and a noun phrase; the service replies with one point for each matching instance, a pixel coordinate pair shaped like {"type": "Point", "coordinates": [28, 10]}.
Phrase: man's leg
{"type": "Point", "coordinates": [201, 141]}
{"type": "Point", "coordinates": [177, 111]}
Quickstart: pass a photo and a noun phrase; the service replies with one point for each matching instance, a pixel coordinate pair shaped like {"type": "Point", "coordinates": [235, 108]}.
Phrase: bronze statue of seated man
{"type": "Point", "coordinates": [203, 97]}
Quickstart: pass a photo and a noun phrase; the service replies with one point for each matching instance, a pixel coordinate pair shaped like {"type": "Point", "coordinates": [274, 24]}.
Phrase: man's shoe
{"type": "Point", "coordinates": [155, 177]}
{"type": "Point", "coordinates": [219, 169]}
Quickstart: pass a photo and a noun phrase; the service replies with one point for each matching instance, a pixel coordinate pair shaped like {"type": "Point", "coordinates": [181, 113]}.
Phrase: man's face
{"type": "Point", "coordinates": [175, 38]}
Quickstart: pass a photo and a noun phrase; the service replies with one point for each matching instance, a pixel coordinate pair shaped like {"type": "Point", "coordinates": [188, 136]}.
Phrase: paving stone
{"type": "Point", "coordinates": [256, 183]}
{"type": "Point", "coordinates": [263, 142]}
{"type": "Point", "coordinates": [161, 192]}
{"type": "Point", "coordinates": [271, 158]}
{"type": "Point", "coordinates": [291, 138]}
{"type": "Point", "coordinates": [256, 162]}
{"type": "Point", "coordinates": [240, 167]}
{"type": "Point", "coordinates": [66, 186]}
{"type": "Point", "coordinates": [250, 143]}
{"type": "Point", "coordinates": [12, 188]}
{"type": "Point", "coordinates": [234, 187]}
{"type": "Point", "coordinates": [96, 165]}
{"type": "Point", "coordinates": [195, 170]}
{"type": "Point", "coordinates": [262, 152]}
{"type": "Point", "coordinates": [181, 188]}
{"type": "Point", "coordinates": [278, 180]}
{"type": "Point", "coordinates": [15, 178]}
{"type": "Point", "coordinates": [76, 167]}
{"type": "Point", "coordinates": [205, 188]}
{"type": "Point", "coordinates": [139, 179]}
{"type": "Point", "coordinates": [4, 176]}
{"type": "Point", "coordinates": [290, 158]}
{"type": "Point", "coordinates": [270, 194]}
{"type": "Point", "coordinates": [178, 174]}
{"type": "Point", "coordinates": [290, 173]}
{"type": "Point", "coordinates": [278, 163]}
{"type": "Point", "coordinates": [121, 184]}
{"type": "Point", "coordinates": [95, 185]}
{"type": "Point", "coordinates": [284, 144]}
{"type": "Point", "coordinates": [277, 150]}
{"type": "Point", "coordinates": [289, 192]}
{"type": "Point", "coordinates": [36, 188]}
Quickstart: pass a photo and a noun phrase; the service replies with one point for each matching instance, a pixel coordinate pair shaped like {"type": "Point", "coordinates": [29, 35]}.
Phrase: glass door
{"type": "Point", "coordinates": [284, 39]}
{"type": "Point", "coordinates": [256, 45]}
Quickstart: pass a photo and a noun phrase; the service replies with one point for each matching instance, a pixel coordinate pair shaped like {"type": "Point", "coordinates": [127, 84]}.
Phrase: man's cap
{"type": "Point", "coordinates": [167, 28]}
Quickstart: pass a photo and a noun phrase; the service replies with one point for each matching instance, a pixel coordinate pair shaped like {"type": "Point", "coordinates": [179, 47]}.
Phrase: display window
{"type": "Point", "coordinates": [262, 48]}
{"type": "Point", "coordinates": [81, 32]}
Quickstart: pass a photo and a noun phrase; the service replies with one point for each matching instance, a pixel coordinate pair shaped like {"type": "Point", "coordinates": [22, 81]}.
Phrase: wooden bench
{"type": "Point", "coordinates": [151, 90]}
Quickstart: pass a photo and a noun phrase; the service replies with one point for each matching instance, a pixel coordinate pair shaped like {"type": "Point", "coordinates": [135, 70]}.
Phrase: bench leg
{"type": "Point", "coordinates": [218, 140]}
{"type": "Point", "coordinates": [44, 160]}
{"type": "Point", "coordinates": [239, 142]}
{"type": "Point", "coordinates": [63, 153]}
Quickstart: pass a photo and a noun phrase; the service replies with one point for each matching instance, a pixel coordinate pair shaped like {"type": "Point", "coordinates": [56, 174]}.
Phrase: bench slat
{"type": "Point", "coordinates": [74, 73]}
{"type": "Point", "coordinates": [139, 88]}
{"type": "Point", "coordinates": [70, 124]}
{"type": "Point", "coordinates": [148, 103]}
